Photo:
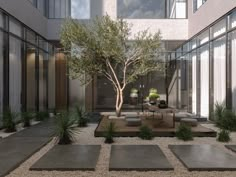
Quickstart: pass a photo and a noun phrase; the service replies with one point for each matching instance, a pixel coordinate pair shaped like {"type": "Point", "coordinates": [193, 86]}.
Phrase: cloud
{"type": "Point", "coordinates": [80, 9]}
{"type": "Point", "coordinates": [140, 9]}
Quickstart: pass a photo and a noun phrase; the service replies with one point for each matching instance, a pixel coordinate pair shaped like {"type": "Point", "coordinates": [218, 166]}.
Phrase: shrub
{"type": "Point", "coordinates": [66, 128]}
{"type": "Point", "coordinates": [41, 116]}
{"type": "Point", "coordinates": [184, 132]}
{"type": "Point", "coordinates": [110, 132]}
{"type": "Point", "coordinates": [223, 136]}
{"type": "Point", "coordinates": [26, 118]}
{"type": "Point", "coordinates": [82, 116]}
{"type": "Point", "coordinates": [145, 133]}
{"type": "Point", "coordinates": [224, 118]}
{"type": "Point", "coordinates": [9, 121]}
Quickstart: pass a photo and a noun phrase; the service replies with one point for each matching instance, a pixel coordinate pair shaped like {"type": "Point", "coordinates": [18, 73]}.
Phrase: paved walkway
{"type": "Point", "coordinates": [204, 158]}
{"type": "Point", "coordinates": [69, 158]}
{"type": "Point", "coordinates": [18, 147]}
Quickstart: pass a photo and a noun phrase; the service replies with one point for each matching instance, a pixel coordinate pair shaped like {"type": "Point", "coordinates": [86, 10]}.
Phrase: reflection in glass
{"type": "Point", "coordinates": [204, 80]}
{"type": "Point", "coordinates": [42, 81]}
{"type": "Point", "coordinates": [15, 27]}
{"type": "Point", "coordinates": [51, 80]}
{"type": "Point", "coordinates": [31, 78]}
{"type": "Point", "coordinates": [15, 74]}
{"type": "Point", "coordinates": [1, 70]}
{"type": "Point", "coordinates": [233, 65]}
{"type": "Point", "coordinates": [80, 9]}
{"type": "Point", "coordinates": [219, 70]}
{"type": "Point", "coordinates": [139, 9]}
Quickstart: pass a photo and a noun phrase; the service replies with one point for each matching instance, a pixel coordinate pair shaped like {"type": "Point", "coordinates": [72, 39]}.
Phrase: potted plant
{"type": "Point", "coordinates": [153, 96]}
{"type": "Point", "coordinates": [134, 96]}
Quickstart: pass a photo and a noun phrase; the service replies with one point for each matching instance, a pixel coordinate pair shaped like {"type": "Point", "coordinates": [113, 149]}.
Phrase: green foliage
{"type": "Point", "coordinates": [9, 118]}
{"type": "Point", "coordinates": [66, 128]}
{"type": "Point", "coordinates": [224, 118]}
{"type": "Point", "coordinates": [110, 132]}
{"type": "Point", "coordinates": [26, 117]}
{"type": "Point", "coordinates": [153, 90]}
{"type": "Point", "coordinates": [42, 115]}
{"type": "Point", "coordinates": [82, 116]}
{"type": "Point", "coordinates": [153, 96]}
{"type": "Point", "coordinates": [145, 133]}
{"type": "Point", "coordinates": [103, 48]}
{"type": "Point", "coordinates": [134, 90]}
{"type": "Point", "coordinates": [184, 132]}
{"type": "Point", "coordinates": [223, 136]}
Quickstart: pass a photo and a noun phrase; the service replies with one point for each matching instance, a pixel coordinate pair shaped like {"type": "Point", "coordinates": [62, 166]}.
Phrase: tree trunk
{"type": "Point", "coordinates": [119, 102]}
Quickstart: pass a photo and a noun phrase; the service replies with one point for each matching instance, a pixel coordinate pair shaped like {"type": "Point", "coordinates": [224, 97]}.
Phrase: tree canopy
{"type": "Point", "coordinates": [102, 47]}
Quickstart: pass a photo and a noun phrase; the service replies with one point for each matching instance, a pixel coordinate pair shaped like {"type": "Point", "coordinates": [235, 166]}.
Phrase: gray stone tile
{"type": "Point", "coordinates": [15, 150]}
{"type": "Point", "coordinates": [138, 157]}
{"type": "Point", "coordinates": [69, 157]}
{"type": "Point", "coordinates": [231, 147]}
{"type": "Point", "coordinates": [204, 158]}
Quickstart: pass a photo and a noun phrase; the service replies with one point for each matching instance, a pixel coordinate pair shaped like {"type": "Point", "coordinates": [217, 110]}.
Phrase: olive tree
{"type": "Point", "coordinates": [102, 47]}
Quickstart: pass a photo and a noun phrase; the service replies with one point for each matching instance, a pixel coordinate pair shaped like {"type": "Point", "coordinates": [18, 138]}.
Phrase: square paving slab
{"type": "Point", "coordinates": [15, 150]}
{"type": "Point", "coordinates": [231, 147]}
{"type": "Point", "coordinates": [68, 158]}
{"type": "Point", "coordinates": [204, 158]}
{"type": "Point", "coordinates": [138, 158]}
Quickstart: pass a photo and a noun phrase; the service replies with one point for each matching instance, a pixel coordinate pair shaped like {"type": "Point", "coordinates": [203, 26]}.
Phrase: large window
{"type": "Point", "coordinates": [204, 80]}
{"type": "Point", "coordinates": [151, 9]}
{"type": "Point", "coordinates": [233, 68]}
{"type": "Point", "coordinates": [31, 77]}
{"type": "Point", "coordinates": [1, 69]}
{"type": "Point", "coordinates": [15, 73]}
{"type": "Point", "coordinates": [43, 62]}
{"type": "Point", "coordinates": [77, 9]}
{"type": "Point", "coordinates": [197, 4]}
{"type": "Point", "coordinates": [220, 70]}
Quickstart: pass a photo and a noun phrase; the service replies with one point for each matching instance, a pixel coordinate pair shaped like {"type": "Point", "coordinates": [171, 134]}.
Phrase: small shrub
{"type": "Point", "coordinates": [26, 118]}
{"type": "Point", "coordinates": [66, 128]}
{"type": "Point", "coordinates": [110, 132]}
{"type": "Point", "coordinates": [224, 118]}
{"type": "Point", "coordinates": [223, 136]}
{"type": "Point", "coordinates": [184, 132]}
{"type": "Point", "coordinates": [82, 116]}
{"type": "Point", "coordinates": [9, 121]}
{"type": "Point", "coordinates": [145, 133]}
{"type": "Point", "coordinates": [42, 115]}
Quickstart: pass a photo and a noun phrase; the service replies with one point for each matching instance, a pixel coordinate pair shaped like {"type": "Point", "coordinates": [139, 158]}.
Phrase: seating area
{"type": "Point", "coordinates": [129, 127]}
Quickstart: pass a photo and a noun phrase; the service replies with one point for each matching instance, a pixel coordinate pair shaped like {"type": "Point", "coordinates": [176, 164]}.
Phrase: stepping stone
{"type": "Point", "coordinates": [15, 150]}
{"type": "Point", "coordinates": [231, 147]}
{"type": "Point", "coordinates": [138, 158]}
{"type": "Point", "coordinates": [69, 158]}
{"type": "Point", "coordinates": [204, 158]}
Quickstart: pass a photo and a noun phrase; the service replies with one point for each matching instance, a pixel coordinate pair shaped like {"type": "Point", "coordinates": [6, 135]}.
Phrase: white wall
{"type": "Point", "coordinates": [209, 12]}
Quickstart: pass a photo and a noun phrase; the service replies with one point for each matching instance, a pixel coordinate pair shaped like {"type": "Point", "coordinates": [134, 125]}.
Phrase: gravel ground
{"type": "Point", "coordinates": [86, 137]}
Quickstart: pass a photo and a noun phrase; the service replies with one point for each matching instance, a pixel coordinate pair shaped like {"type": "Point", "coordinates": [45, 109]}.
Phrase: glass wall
{"type": "Point", "coordinates": [24, 68]}
{"type": "Point", "coordinates": [31, 77]}
{"type": "Point", "coordinates": [77, 9]}
{"type": "Point", "coordinates": [42, 81]}
{"type": "Point", "coordinates": [15, 73]}
{"type": "Point", "coordinates": [151, 9]}
{"type": "Point", "coordinates": [211, 66]}
{"type": "Point", "coordinates": [233, 68]}
{"type": "Point", "coordinates": [1, 68]}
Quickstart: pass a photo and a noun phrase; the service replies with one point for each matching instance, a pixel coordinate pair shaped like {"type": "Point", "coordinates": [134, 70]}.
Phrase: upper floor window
{"type": "Point", "coordinates": [197, 4]}
{"type": "Point", "coordinates": [77, 9]}
{"type": "Point", "coordinates": [151, 9]}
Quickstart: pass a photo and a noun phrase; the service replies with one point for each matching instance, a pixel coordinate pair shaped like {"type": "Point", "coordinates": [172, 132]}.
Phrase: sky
{"type": "Point", "coordinates": [141, 9]}
{"type": "Point", "coordinates": [80, 9]}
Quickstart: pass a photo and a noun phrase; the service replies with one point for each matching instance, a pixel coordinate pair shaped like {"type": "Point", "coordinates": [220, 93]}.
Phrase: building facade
{"type": "Point", "coordinates": [198, 36]}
